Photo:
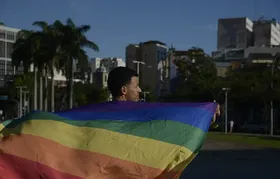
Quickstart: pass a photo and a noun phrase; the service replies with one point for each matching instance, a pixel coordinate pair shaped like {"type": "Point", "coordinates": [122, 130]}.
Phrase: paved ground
{"type": "Point", "coordinates": [227, 160]}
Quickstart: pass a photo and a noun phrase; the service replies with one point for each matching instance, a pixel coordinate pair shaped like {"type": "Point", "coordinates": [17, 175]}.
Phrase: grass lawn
{"type": "Point", "coordinates": [264, 141]}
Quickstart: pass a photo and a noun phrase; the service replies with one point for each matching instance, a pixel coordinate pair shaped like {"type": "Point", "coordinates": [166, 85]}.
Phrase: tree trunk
{"type": "Point", "coordinates": [41, 91]}
{"type": "Point", "coordinates": [52, 87]}
{"type": "Point", "coordinates": [71, 76]}
{"type": "Point", "coordinates": [35, 102]}
{"type": "Point", "coordinates": [265, 116]}
{"type": "Point", "coordinates": [46, 92]}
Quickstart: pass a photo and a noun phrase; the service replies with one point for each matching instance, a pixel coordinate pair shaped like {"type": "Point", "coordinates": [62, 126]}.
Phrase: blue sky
{"type": "Point", "coordinates": [116, 23]}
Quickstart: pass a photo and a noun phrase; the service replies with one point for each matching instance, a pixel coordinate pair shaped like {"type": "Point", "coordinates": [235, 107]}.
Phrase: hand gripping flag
{"type": "Point", "coordinates": [124, 140]}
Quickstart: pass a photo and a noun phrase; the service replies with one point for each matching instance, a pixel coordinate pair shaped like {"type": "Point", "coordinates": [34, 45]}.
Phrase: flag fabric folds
{"type": "Point", "coordinates": [124, 140]}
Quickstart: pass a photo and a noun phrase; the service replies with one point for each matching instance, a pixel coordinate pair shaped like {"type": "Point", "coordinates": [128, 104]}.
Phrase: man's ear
{"type": "Point", "coordinates": [124, 90]}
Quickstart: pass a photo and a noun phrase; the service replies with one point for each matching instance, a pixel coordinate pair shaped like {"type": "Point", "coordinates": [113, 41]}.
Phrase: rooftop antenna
{"type": "Point", "coordinates": [261, 17]}
{"type": "Point", "coordinates": [255, 9]}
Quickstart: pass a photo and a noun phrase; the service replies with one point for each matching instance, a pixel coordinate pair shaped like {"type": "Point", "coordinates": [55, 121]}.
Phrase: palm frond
{"type": "Point", "coordinates": [83, 29]}
{"type": "Point", "coordinates": [91, 45]}
{"type": "Point", "coordinates": [70, 23]}
{"type": "Point", "coordinates": [42, 24]}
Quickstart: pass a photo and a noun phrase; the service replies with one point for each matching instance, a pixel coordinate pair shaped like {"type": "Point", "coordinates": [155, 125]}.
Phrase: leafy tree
{"type": "Point", "coordinates": [197, 78]}
{"type": "Point", "coordinates": [88, 93]}
{"type": "Point", "coordinates": [250, 89]}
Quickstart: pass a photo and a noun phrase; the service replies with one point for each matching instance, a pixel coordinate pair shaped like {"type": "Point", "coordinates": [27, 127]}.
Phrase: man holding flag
{"type": "Point", "coordinates": [119, 139]}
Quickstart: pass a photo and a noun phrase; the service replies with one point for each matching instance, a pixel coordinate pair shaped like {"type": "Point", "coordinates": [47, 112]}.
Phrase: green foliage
{"type": "Point", "coordinates": [197, 77]}
{"type": "Point", "coordinates": [10, 88]}
{"type": "Point", "coordinates": [25, 80]}
{"type": "Point", "coordinates": [252, 83]}
{"type": "Point", "coordinates": [197, 80]}
{"type": "Point", "coordinates": [54, 46]}
{"type": "Point", "coordinates": [250, 88]}
{"type": "Point", "coordinates": [88, 93]}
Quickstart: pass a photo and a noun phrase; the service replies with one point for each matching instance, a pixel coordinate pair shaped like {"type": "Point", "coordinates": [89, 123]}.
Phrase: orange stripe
{"type": "Point", "coordinates": [78, 162]}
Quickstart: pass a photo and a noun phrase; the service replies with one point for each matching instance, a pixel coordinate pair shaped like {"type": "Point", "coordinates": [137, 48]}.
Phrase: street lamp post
{"type": "Point", "coordinates": [138, 68]}
{"type": "Point", "coordinates": [226, 108]}
{"type": "Point", "coordinates": [271, 101]}
{"type": "Point", "coordinates": [26, 102]}
{"type": "Point", "coordinates": [138, 65]}
{"type": "Point", "coordinates": [20, 100]}
{"type": "Point", "coordinates": [145, 94]}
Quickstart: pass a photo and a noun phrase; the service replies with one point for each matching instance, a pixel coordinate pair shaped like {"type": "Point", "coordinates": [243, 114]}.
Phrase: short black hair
{"type": "Point", "coordinates": [119, 77]}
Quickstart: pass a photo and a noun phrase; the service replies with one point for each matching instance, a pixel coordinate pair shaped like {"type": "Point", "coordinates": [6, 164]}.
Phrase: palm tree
{"type": "Point", "coordinates": [52, 47]}
{"type": "Point", "coordinates": [56, 46]}
{"type": "Point", "coordinates": [45, 31]}
{"type": "Point", "coordinates": [43, 70]}
{"type": "Point", "coordinates": [56, 53]}
{"type": "Point", "coordinates": [73, 42]}
{"type": "Point", "coordinates": [26, 53]}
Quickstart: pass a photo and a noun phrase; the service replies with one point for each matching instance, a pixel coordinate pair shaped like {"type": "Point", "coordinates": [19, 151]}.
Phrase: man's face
{"type": "Point", "coordinates": [132, 90]}
{"type": "Point", "coordinates": [218, 111]}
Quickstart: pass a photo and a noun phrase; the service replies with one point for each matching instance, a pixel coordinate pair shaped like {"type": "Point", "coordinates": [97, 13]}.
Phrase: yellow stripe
{"type": "Point", "coordinates": [1, 126]}
{"type": "Point", "coordinates": [148, 152]}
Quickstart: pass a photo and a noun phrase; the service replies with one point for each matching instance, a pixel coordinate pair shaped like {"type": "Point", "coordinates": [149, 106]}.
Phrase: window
{"type": "Point", "coordinates": [19, 70]}
{"type": "Point", "coordinates": [10, 35]}
{"type": "Point", "coordinates": [9, 49]}
{"type": "Point", "coordinates": [2, 67]}
{"type": "Point", "coordinates": [2, 34]}
{"type": "Point", "coordinates": [2, 49]}
{"type": "Point", "coordinates": [2, 83]}
{"type": "Point", "coordinates": [10, 68]}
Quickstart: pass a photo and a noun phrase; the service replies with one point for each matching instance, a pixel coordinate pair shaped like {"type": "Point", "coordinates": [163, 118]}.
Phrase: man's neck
{"type": "Point", "coordinates": [120, 98]}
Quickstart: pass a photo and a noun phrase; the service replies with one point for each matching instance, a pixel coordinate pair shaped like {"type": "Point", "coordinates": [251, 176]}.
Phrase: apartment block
{"type": "Point", "coordinates": [107, 63]}
{"type": "Point", "coordinates": [7, 39]}
{"type": "Point", "coordinates": [151, 61]}
{"type": "Point", "coordinates": [100, 77]}
{"type": "Point", "coordinates": [234, 33]}
{"type": "Point", "coordinates": [264, 55]}
{"type": "Point", "coordinates": [266, 33]}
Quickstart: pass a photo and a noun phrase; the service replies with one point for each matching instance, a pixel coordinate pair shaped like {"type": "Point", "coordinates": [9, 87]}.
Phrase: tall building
{"type": "Point", "coordinates": [95, 63]}
{"type": "Point", "coordinates": [100, 67]}
{"type": "Point", "coordinates": [154, 70]}
{"type": "Point", "coordinates": [174, 55]}
{"type": "Point", "coordinates": [7, 40]}
{"type": "Point", "coordinates": [100, 77]}
{"type": "Point", "coordinates": [133, 53]}
{"type": "Point", "coordinates": [234, 33]}
{"type": "Point", "coordinates": [266, 33]}
{"type": "Point", "coordinates": [111, 63]}
{"type": "Point", "coordinates": [259, 43]}
{"type": "Point", "coordinates": [107, 63]}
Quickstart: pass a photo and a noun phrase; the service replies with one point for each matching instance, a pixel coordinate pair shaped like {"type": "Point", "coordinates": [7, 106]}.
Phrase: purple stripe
{"type": "Point", "coordinates": [127, 106]}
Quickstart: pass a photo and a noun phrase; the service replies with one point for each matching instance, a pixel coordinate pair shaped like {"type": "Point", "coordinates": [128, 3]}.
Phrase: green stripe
{"type": "Point", "coordinates": [5, 123]}
{"type": "Point", "coordinates": [162, 130]}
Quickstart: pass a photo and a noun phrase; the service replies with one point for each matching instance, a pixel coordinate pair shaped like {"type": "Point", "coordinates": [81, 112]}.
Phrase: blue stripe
{"type": "Point", "coordinates": [194, 116]}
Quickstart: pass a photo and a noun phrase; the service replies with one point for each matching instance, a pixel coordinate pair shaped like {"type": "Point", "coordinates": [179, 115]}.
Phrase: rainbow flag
{"type": "Point", "coordinates": [124, 140]}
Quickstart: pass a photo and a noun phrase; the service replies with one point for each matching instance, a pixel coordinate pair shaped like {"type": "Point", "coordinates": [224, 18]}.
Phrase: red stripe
{"type": "Point", "coordinates": [12, 167]}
